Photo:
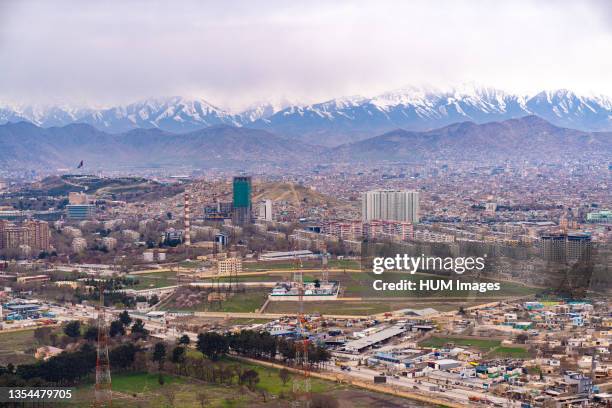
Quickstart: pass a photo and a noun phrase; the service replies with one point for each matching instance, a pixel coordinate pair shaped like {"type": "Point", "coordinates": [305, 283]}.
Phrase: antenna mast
{"type": "Point", "coordinates": [103, 393]}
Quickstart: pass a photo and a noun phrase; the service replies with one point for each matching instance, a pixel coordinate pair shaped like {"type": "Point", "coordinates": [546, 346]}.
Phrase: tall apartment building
{"type": "Point", "coordinates": [34, 234]}
{"type": "Point", "coordinates": [566, 247]}
{"type": "Point", "coordinates": [394, 205]}
{"type": "Point", "coordinates": [265, 210]}
{"type": "Point", "coordinates": [242, 200]}
{"type": "Point", "coordinates": [38, 235]}
{"type": "Point", "coordinates": [3, 225]}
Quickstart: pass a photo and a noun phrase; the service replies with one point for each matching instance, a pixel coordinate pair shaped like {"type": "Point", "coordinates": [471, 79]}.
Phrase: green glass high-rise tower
{"type": "Point", "coordinates": [242, 200]}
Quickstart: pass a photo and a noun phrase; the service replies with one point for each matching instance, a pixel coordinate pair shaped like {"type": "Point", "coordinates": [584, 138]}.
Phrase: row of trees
{"type": "Point", "coordinates": [259, 345]}
{"type": "Point", "coordinates": [74, 330]}
{"type": "Point", "coordinates": [68, 368]}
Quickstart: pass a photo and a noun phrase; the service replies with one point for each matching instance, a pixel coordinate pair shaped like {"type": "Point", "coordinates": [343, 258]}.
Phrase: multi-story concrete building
{"type": "Point", "coordinates": [219, 211]}
{"type": "Point", "coordinates": [351, 229]}
{"type": "Point", "coordinates": [14, 236]}
{"type": "Point", "coordinates": [265, 210]}
{"type": "Point", "coordinates": [80, 211]}
{"type": "Point", "coordinates": [32, 233]}
{"type": "Point", "coordinates": [242, 200]}
{"type": "Point", "coordinates": [430, 236]}
{"type": "Point", "coordinates": [600, 217]}
{"type": "Point", "coordinates": [569, 247]}
{"type": "Point", "coordinates": [396, 205]}
{"type": "Point", "coordinates": [38, 235]}
{"type": "Point", "coordinates": [229, 266]}
{"type": "Point", "coordinates": [385, 229]}
{"type": "Point", "coordinates": [3, 225]}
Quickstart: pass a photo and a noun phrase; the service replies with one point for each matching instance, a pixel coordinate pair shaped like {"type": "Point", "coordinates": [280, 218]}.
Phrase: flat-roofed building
{"type": "Point", "coordinates": [80, 211]}
{"type": "Point", "coordinates": [600, 217]}
{"type": "Point", "coordinates": [285, 255]}
{"type": "Point", "coordinates": [376, 338]}
{"type": "Point", "coordinates": [33, 278]}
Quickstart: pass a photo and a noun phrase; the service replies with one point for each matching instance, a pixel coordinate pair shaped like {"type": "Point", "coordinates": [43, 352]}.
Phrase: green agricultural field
{"type": "Point", "coordinates": [130, 383]}
{"type": "Point", "coordinates": [154, 280]}
{"type": "Point", "coordinates": [366, 307]}
{"type": "Point", "coordinates": [138, 389]}
{"type": "Point", "coordinates": [271, 382]}
{"type": "Point", "coordinates": [356, 308]}
{"type": "Point", "coordinates": [265, 266]}
{"type": "Point", "coordinates": [439, 342]}
{"type": "Point", "coordinates": [17, 347]}
{"type": "Point", "coordinates": [248, 301]}
{"type": "Point", "coordinates": [344, 264]}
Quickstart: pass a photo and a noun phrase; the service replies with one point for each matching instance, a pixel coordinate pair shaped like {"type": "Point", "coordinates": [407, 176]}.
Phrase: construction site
{"type": "Point", "coordinates": [313, 291]}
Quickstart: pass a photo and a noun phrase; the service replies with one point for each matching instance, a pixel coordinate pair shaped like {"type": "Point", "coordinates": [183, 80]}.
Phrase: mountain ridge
{"type": "Point", "coordinates": [338, 120]}
{"type": "Point", "coordinates": [25, 145]}
{"type": "Point", "coordinates": [526, 138]}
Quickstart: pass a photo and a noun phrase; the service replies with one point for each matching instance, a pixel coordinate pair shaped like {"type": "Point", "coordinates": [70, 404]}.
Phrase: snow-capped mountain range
{"type": "Point", "coordinates": [338, 120]}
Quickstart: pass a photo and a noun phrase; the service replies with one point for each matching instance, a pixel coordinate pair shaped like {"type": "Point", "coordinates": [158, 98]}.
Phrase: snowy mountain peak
{"type": "Point", "coordinates": [335, 120]}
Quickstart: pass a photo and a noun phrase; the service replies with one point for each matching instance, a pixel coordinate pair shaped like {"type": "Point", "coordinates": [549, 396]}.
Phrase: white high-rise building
{"type": "Point", "coordinates": [396, 205]}
{"type": "Point", "coordinates": [265, 210]}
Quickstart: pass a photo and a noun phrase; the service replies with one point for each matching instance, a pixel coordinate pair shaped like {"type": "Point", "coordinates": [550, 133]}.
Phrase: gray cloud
{"type": "Point", "coordinates": [233, 53]}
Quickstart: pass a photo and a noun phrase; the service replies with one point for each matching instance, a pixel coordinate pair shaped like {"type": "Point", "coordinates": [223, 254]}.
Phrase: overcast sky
{"type": "Point", "coordinates": [235, 53]}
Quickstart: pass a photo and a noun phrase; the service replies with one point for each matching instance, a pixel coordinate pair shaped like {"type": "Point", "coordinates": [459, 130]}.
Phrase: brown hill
{"type": "Point", "coordinates": [295, 194]}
